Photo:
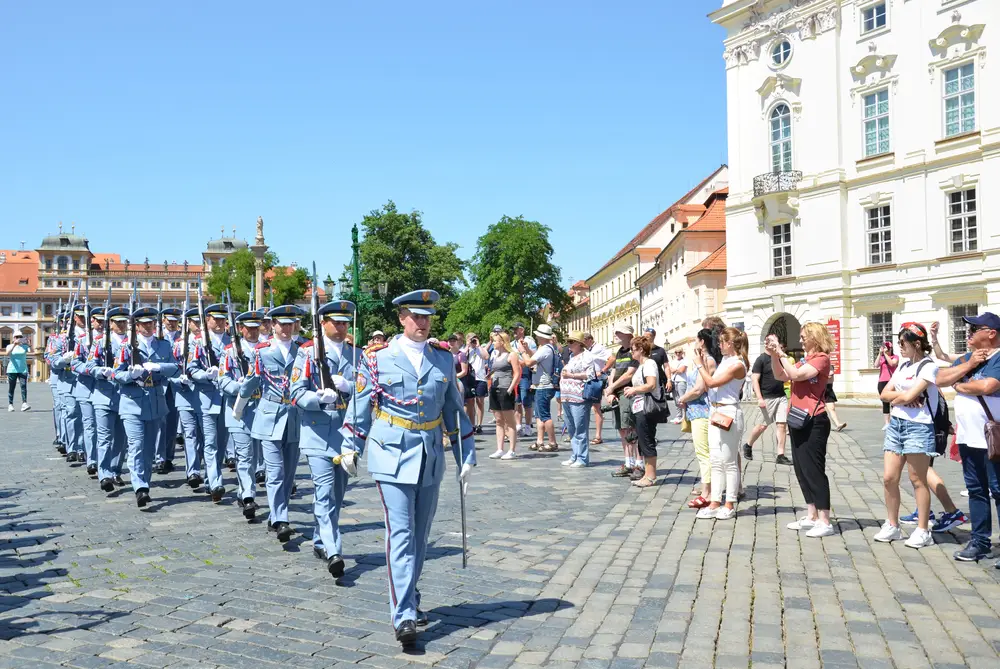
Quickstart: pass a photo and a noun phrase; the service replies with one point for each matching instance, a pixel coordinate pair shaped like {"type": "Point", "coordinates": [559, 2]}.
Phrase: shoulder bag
{"type": "Point", "coordinates": [991, 432]}
{"type": "Point", "coordinates": [800, 419]}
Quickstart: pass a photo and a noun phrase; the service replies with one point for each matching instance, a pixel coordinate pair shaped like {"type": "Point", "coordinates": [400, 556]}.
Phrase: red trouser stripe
{"type": "Point", "coordinates": [388, 535]}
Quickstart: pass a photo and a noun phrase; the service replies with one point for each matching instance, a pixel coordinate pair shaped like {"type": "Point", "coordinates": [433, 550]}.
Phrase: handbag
{"type": "Point", "coordinates": [655, 409]}
{"type": "Point", "coordinates": [721, 420]}
{"type": "Point", "coordinates": [991, 432]}
{"type": "Point", "coordinates": [800, 419]}
{"type": "Point", "coordinates": [685, 424]}
{"type": "Point", "coordinates": [593, 390]}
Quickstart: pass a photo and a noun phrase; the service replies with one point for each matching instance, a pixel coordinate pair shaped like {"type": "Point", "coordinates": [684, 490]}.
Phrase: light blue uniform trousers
{"type": "Point", "coordinates": [247, 463]}
{"type": "Point", "coordinates": [330, 482]}
{"type": "Point", "coordinates": [141, 435]}
{"type": "Point", "coordinates": [89, 422]}
{"type": "Point", "coordinates": [194, 440]}
{"type": "Point", "coordinates": [216, 436]}
{"type": "Point", "coordinates": [110, 442]}
{"type": "Point", "coordinates": [280, 458]}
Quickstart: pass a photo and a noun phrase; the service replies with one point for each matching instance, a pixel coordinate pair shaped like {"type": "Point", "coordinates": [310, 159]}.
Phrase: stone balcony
{"type": "Point", "coordinates": [775, 197]}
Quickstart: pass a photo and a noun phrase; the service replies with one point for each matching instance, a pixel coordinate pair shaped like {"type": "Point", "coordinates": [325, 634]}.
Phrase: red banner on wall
{"type": "Point", "coordinates": [833, 326]}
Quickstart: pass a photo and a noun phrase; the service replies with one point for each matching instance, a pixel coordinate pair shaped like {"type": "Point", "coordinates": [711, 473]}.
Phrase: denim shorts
{"type": "Point", "coordinates": [906, 437]}
{"type": "Point", "coordinates": [526, 396]}
{"type": "Point", "coordinates": [543, 403]}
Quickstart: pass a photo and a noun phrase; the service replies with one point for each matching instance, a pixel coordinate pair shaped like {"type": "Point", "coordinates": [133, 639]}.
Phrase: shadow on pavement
{"type": "Point", "coordinates": [373, 561]}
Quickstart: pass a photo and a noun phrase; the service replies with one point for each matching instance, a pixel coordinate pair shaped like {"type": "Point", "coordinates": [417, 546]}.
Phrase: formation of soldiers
{"type": "Point", "coordinates": [248, 392]}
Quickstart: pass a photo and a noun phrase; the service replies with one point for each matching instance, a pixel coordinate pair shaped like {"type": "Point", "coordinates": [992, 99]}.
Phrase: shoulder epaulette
{"type": "Point", "coordinates": [306, 344]}
{"type": "Point", "coordinates": [375, 348]}
{"type": "Point", "coordinates": [263, 344]}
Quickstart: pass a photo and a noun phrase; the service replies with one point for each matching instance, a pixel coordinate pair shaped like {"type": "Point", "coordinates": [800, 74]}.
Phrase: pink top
{"type": "Point", "coordinates": [884, 370]}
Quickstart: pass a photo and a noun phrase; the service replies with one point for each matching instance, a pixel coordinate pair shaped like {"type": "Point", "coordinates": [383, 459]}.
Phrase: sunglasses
{"type": "Point", "coordinates": [973, 329]}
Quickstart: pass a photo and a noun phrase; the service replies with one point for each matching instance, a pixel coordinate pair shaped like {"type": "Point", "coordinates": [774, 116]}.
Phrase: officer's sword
{"type": "Point", "coordinates": [461, 493]}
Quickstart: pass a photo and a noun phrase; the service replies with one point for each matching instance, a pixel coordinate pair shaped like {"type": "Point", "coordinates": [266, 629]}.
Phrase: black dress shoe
{"type": "Point", "coordinates": [71, 457]}
{"type": "Point", "coordinates": [179, 440]}
{"type": "Point", "coordinates": [231, 463]}
{"type": "Point", "coordinates": [406, 633]}
{"type": "Point", "coordinates": [56, 442]}
{"type": "Point", "coordinates": [194, 481]}
{"type": "Point", "coordinates": [295, 488]}
{"type": "Point", "coordinates": [260, 478]}
{"type": "Point", "coordinates": [107, 485]}
{"type": "Point", "coordinates": [218, 494]}
{"type": "Point", "coordinates": [319, 553]}
{"type": "Point", "coordinates": [335, 565]}
{"type": "Point", "coordinates": [142, 497]}
{"type": "Point", "coordinates": [282, 529]}
{"type": "Point", "coordinates": [422, 619]}
{"type": "Point", "coordinates": [159, 468]}
{"type": "Point", "coordinates": [92, 470]}
{"type": "Point", "coordinates": [61, 449]}
{"type": "Point", "coordinates": [118, 480]}
{"type": "Point", "coordinates": [168, 466]}
{"type": "Point", "coordinates": [249, 509]}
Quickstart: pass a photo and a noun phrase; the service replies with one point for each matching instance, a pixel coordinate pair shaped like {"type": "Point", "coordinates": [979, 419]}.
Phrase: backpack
{"type": "Point", "coordinates": [557, 366]}
{"type": "Point", "coordinates": [939, 413]}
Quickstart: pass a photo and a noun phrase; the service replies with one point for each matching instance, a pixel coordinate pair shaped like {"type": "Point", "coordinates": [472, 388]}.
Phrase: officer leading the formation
{"type": "Point", "coordinates": [321, 415]}
{"type": "Point", "coordinates": [406, 397]}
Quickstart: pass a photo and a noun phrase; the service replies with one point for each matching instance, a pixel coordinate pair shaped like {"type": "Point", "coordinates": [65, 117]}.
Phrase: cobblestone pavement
{"type": "Point", "coordinates": [567, 568]}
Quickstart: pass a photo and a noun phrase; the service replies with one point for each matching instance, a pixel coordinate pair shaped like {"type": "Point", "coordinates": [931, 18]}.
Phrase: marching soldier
{"type": "Point", "coordinates": [204, 371]}
{"type": "Point", "coordinates": [105, 397]}
{"type": "Point", "coordinates": [51, 350]}
{"type": "Point", "coordinates": [142, 405]}
{"type": "Point", "coordinates": [187, 400]}
{"type": "Point", "coordinates": [266, 324]}
{"type": "Point", "coordinates": [83, 388]}
{"type": "Point", "coordinates": [167, 439]}
{"type": "Point", "coordinates": [275, 421]}
{"type": "Point", "coordinates": [231, 375]}
{"type": "Point", "coordinates": [321, 415]}
{"type": "Point", "coordinates": [72, 417]}
{"type": "Point", "coordinates": [406, 397]}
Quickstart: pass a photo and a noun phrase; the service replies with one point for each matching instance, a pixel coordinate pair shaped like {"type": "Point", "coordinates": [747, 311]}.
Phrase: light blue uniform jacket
{"type": "Point", "coordinates": [320, 424]}
{"type": "Point", "coordinates": [276, 418]}
{"type": "Point", "coordinates": [397, 454]}
{"type": "Point", "coordinates": [144, 397]}
{"type": "Point", "coordinates": [230, 380]}
{"type": "Point", "coordinates": [105, 393]}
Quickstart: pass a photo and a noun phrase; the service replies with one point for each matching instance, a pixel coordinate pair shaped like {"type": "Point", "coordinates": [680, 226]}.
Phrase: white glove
{"type": "Point", "coordinates": [136, 371]}
{"type": "Point", "coordinates": [349, 462]}
{"type": "Point", "coordinates": [151, 366]}
{"type": "Point", "coordinates": [184, 380]}
{"type": "Point", "coordinates": [327, 396]}
{"type": "Point", "coordinates": [68, 357]}
{"type": "Point", "coordinates": [212, 371]}
{"type": "Point", "coordinates": [238, 407]}
{"type": "Point", "coordinates": [108, 373]}
{"type": "Point", "coordinates": [341, 384]}
{"type": "Point", "coordinates": [463, 475]}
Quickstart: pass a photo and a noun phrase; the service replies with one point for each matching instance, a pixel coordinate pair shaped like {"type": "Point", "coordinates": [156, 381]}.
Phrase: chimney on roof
{"type": "Point", "coordinates": [3, 257]}
{"type": "Point", "coordinates": [22, 244]}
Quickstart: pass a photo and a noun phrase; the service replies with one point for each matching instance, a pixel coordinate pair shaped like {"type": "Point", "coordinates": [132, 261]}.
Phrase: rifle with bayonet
{"type": "Point", "coordinates": [133, 335]}
{"type": "Point", "coordinates": [185, 335]}
{"type": "Point", "coordinates": [237, 344]}
{"type": "Point", "coordinates": [324, 379]}
{"type": "Point", "coordinates": [108, 362]}
{"type": "Point", "coordinates": [252, 297]}
{"type": "Point", "coordinates": [206, 339]}
{"type": "Point", "coordinates": [86, 316]}
{"type": "Point", "coordinates": [159, 314]}
{"type": "Point", "coordinates": [71, 330]}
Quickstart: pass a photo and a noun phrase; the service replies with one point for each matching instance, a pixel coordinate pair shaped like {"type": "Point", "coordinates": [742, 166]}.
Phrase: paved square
{"type": "Point", "coordinates": [567, 568]}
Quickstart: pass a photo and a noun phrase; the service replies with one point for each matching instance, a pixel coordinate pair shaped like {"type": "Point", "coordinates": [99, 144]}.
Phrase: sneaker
{"type": "Point", "coordinates": [820, 530]}
{"type": "Point", "coordinates": [497, 454]}
{"type": "Point", "coordinates": [518, 430]}
{"type": "Point", "coordinates": [567, 463]}
{"type": "Point", "coordinates": [747, 452]}
{"type": "Point", "coordinates": [919, 539]}
{"type": "Point", "coordinates": [509, 455]}
{"type": "Point", "coordinates": [888, 533]}
{"type": "Point", "coordinates": [782, 460]}
{"type": "Point", "coordinates": [971, 553]}
{"type": "Point", "coordinates": [885, 427]}
{"type": "Point", "coordinates": [802, 523]}
{"type": "Point", "coordinates": [25, 406]}
{"type": "Point", "coordinates": [964, 493]}
{"type": "Point", "coordinates": [912, 518]}
{"type": "Point", "coordinates": [637, 473]}
{"type": "Point", "coordinates": [949, 521]}
{"type": "Point", "coordinates": [10, 408]}
{"type": "Point", "coordinates": [579, 464]}
{"type": "Point", "coordinates": [622, 472]}
{"type": "Point", "coordinates": [725, 513]}
{"type": "Point", "coordinates": [707, 513]}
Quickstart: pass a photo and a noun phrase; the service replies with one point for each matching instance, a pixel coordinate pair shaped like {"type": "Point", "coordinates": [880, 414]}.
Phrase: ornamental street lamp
{"type": "Point", "coordinates": [359, 292]}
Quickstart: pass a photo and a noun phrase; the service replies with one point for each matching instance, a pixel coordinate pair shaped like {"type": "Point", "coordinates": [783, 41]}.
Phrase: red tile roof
{"type": "Point", "coordinates": [656, 223]}
{"type": "Point", "coordinates": [716, 262]}
{"type": "Point", "coordinates": [714, 218]}
{"type": "Point", "coordinates": [19, 272]}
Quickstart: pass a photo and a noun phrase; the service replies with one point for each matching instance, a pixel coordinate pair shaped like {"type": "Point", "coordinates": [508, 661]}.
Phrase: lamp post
{"type": "Point", "coordinates": [361, 293]}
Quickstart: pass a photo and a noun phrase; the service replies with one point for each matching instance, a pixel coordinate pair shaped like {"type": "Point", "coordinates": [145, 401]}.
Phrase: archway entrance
{"type": "Point", "coordinates": [786, 328]}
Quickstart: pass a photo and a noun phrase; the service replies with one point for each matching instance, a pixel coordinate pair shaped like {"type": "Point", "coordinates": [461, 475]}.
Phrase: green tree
{"type": "Point", "coordinates": [235, 273]}
{"type": "Point", "coordinates": [400, 251]}
{"type": "Point", "coordinates": [513, 278]}
{"type": "Point", "coordinates": [289, 284]}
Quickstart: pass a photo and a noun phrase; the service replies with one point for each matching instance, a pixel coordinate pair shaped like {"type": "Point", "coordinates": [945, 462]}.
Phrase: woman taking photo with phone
{"type": "Point", "coordinates": [886, 363]}
{"type": "Point", "coordinates": [505, 374]}
{"type": "Point", "coordinates": [808, 424]}
{"type": "Point", "coordinates": [17, 369]}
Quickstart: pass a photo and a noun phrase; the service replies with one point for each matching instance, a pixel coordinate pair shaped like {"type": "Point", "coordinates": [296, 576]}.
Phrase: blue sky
{"type": "Point", "coordinates": [153, 124]}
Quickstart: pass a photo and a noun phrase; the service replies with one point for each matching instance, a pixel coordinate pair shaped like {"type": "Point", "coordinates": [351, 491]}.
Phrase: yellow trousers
{"type": "Point", "coordinates": [699, 433]}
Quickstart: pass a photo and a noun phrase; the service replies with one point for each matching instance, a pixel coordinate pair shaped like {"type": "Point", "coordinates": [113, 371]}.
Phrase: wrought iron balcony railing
{"type": "Point", "coordinates": [776, 182]}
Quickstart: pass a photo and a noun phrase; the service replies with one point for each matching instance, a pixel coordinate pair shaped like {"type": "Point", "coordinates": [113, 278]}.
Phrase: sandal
{"type": "Point", "coordinates": [696, 491]}
{"type": "Point", "coordinates": [644, 482]}
{"type": "Point", "coordinates": [535, 446]}
{"type": "Point", "coordinates": [597, 441]}
{"type": "Point", "coordinates": [698, 502]}
{"type": "Point", "coordinates": [549, 448]}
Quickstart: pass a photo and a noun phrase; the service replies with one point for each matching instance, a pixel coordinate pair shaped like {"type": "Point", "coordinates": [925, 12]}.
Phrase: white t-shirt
{"type": "Point", "coordinates": [904, 378]}
{"type": "Point", "coordinates": [545, 361]}
{"type": "Point", "coordinates": [730, 391]}
{"type": "Point", "coordinates": [970, 419]}
{"type": "Point", "coordinates": [599, 356]}
{"type": "Point", "coordinates": [648, 368]}
{"type": "Point", "coordinates": [679, 374]}
{"type": "Point", "coordinates": [477, 363]}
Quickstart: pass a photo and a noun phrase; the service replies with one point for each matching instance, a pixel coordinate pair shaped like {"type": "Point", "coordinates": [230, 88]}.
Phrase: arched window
{"type": "Point", "coordinates": [781, 139]}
